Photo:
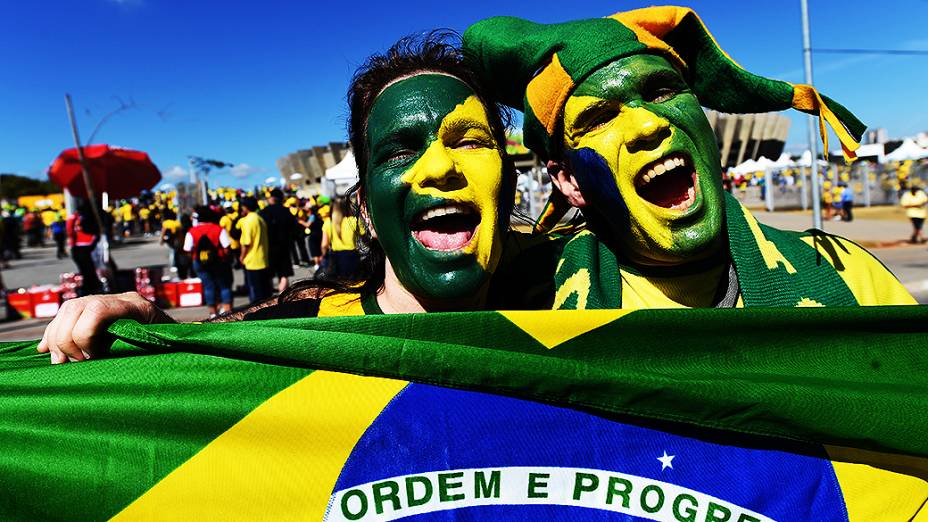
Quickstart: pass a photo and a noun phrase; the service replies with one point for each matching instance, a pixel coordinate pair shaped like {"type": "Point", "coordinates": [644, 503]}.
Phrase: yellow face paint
{"type": "Point", "coordinates": [433, 186]}
{"type": "Point", "coordinates": [646, 161]}
{"type": "Point", "coordinates": [479, 167]}
{"type": "Point", "coordinates": [648, 224]}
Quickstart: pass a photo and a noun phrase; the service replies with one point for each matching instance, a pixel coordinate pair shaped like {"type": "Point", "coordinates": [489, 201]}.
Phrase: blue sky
{"type": "Point", "coordinates": [246, 82]}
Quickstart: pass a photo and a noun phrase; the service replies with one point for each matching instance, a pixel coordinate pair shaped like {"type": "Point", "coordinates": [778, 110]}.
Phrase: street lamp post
{"type": "Point", "coordinates": [813, 139]}
{"type": "Point", "coordinates": [199, 168]}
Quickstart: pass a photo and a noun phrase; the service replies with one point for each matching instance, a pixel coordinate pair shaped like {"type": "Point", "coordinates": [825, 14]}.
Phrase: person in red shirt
{"type": "Point", "coordinates": [83, 235]}
{"type": "Point", "coordinates": [208, 245]}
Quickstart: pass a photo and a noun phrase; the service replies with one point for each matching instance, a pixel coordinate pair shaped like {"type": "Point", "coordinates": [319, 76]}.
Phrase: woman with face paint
{"type": "Point", "coordinates": [434, 195]}
{"type": "Point", "coordinates": [434, 188]}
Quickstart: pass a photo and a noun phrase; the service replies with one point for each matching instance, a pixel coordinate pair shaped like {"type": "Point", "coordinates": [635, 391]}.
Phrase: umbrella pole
{"type": "Point", "coordinates": [88, 183]}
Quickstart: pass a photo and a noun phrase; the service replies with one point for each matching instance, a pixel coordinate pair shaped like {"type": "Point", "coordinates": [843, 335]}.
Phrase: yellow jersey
{"type": "Point", "coordinates": [254, 236]}
{"type": "Point", "coordinates": [346, 238]}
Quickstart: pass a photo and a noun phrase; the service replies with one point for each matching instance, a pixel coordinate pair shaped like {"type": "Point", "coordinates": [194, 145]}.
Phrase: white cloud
{"type": "Point", "coordinates": [243, 170]}
{"type": "Point", "coordinates": [176, 173]}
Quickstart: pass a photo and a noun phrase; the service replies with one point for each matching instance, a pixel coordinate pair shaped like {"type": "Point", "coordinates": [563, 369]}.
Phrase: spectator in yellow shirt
{"type": "Point", "coordinates": [127, 212]}
{"type": "Point", "coordinates": [229, 221]}
{"type": "Point", "coordinates": [254, 256]}
{"type": "Point", "coordinates": [914, 201]}
{"type": "Point", "coordinates": [144, 214]}
{"type": "Point", "coordinates": [340, 242]}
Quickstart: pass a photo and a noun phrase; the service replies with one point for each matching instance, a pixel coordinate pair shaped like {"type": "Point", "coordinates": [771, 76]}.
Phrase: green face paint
{"type": "Point", "coordinates": [646, 160]}
{"type": "Point", "coordinates": [433, 186]}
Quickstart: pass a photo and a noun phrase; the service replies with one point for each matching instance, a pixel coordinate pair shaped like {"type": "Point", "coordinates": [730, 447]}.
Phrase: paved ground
{"type": "Point", "coordinates": [872, 228]}
{"type": "Point", "coordinates": [39, 267]}
{"type": "Point", "coordinates": [875, 228]}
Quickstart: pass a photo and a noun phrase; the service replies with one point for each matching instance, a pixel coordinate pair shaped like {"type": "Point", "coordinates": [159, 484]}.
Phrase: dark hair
{"type": "Point", "coordinates": [250, 203]}
{"type": "Point", "coordinates": [277, 193]}
{"type": "Point", "coordinates": [437, 51]}
{"type": "Point", "coordinates": [206, 214]}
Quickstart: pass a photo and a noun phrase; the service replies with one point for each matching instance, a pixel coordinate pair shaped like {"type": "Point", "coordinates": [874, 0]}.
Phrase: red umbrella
{"type": "Point", "coordinates": [121, 173]}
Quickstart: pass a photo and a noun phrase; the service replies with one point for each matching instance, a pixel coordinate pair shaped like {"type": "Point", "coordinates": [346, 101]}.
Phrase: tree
{"type": "Point", "coordinates": [13, 186]}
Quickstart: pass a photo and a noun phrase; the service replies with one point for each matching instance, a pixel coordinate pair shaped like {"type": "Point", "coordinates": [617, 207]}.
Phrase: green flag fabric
{"type": "Point", "coordinates": [382, 417]}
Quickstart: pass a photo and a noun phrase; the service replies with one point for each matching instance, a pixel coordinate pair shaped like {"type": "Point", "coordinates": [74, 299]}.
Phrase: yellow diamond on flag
{"type": "Point", "coordinates": [553, 327]}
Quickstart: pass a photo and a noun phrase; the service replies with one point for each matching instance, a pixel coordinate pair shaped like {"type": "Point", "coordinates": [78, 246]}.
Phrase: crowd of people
{"type": "Point", "coordinates": [35, 225]}
{"type": "Point", "coordinates": [839, 184]}
{"type": "Point", "coordinates": [264, 237]}
{"type": "Point", "coordinates": [264, 234]}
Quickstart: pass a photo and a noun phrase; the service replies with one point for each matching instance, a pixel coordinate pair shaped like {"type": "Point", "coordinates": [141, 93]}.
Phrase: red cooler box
{"type": "Point", "coordinates": [166, 294]}
{"type": "Point", "coordinates": [21, 301]}
{"type": "Point", "coordinates": [190, 292]}
{"type": "Point", "coordinates": [45, 300]}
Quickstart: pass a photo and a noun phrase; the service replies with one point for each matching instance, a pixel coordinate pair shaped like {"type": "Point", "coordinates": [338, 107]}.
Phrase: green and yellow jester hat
{"type": "Point", "coordinates": [535, 67]}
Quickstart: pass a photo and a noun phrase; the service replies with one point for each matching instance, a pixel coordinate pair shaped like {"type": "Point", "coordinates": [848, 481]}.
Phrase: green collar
{"type": "Point", "coordinates": [774, 268]}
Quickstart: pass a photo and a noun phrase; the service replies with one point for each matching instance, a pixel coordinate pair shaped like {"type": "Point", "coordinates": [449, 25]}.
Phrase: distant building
{"type": "Point", "coordinates": [877, 136]}
{"type": "Point", "coordinates": [311, 163]}
{"type": "Point", "coordinates": [749, 136]}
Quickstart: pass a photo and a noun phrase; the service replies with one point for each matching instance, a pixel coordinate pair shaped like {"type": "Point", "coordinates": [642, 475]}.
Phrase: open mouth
{"type": "Point", "coordinates": [447, 227]}
{"type": "Point", "coordinates": [669, 182]}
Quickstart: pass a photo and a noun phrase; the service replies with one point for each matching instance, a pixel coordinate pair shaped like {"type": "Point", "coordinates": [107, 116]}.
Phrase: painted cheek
{"type": "Point", "coordinates": [386, 196]}
{"type": "Point", "coordinates": [483, 171]}
{"type": "Point", "coordinates": [595, 177]}
{"type": "Point", "coordinates": [628, 215]}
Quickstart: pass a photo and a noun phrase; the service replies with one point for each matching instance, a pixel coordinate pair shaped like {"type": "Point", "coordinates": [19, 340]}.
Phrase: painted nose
{"type": "Point", "coordinates": [643, 129]}
{"type": "Point", "coordinates": [435, 169]}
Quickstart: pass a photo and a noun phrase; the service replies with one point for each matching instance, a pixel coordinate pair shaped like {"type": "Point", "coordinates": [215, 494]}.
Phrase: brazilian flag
{"type": "Point", "coordinates": [682, 415]}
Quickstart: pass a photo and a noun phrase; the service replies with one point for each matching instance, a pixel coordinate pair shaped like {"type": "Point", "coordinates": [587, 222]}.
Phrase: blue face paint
{"type": "Point", "coordinates": [597, 184]}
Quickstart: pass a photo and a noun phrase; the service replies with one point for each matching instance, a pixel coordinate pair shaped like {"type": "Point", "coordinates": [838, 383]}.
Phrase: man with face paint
{"type": "Point", "coordinates": [615, 107]}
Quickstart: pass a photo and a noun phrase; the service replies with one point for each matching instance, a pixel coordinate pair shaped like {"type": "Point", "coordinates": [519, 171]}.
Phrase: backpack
{"type": "Point", "coordinates": [207, 253]}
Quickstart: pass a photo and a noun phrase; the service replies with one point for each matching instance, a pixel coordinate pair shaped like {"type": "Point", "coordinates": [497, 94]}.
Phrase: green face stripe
{"type": "Point", "coordinates": [407, 115]}
{"type": "Point", "coordinates": [621, 120]}
{"type": "Point", "coordinates": [430, 144]}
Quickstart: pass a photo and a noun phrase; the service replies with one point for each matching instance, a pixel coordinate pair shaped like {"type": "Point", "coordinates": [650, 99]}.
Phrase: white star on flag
{"type": "Point", "coordinates": [666, 461]}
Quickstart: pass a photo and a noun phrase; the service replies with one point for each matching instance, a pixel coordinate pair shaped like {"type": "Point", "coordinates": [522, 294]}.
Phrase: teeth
{"type": "Point", "coordinates": [661, 168]}
{"type": "Point", "coordinates": [444, 211]}
{"type": "Point", "coordinates": [690, 199]}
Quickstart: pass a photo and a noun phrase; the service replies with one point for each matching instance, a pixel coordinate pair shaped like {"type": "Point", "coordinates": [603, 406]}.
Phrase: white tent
{"type": "Point", "coordinates": [784, 161]}
{"type": "Point", "coordinates": [745, 167]}
{"type": "Point", "coordinates": [909, 150]}
{"type": "Point", "coordinates": [341, 177]}
{"type": "Point", "coordinates": [764, 164]}
{"type": "Point", "coordinates": [871, 151]}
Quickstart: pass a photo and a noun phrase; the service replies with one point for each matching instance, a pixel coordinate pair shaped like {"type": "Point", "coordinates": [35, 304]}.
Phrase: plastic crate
{"type": "Point", "coordinates": [46, 300]}
{"type": "Point", "coordinates": [190, 292]}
